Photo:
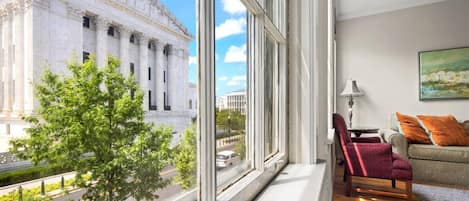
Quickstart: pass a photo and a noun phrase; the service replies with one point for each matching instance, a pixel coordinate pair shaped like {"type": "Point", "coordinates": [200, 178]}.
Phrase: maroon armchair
{"type": "Point", "coordinates": [373, 160]}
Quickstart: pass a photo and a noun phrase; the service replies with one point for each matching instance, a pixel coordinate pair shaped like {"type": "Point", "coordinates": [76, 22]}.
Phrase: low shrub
{"type": "Point", "coordinates": [28, 174]}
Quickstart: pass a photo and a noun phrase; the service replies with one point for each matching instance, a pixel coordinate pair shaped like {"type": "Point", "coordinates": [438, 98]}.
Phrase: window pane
{"type": "Point", "coordinates": [231, 87]}
{"type": "Point", "coordinates": [104, 125]}
{"type": "Point", "coordinates": [271, 63]}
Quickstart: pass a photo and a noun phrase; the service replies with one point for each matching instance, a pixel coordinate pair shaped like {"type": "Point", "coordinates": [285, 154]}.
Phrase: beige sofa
{"type": "Point", "coordinates": [432, 163]}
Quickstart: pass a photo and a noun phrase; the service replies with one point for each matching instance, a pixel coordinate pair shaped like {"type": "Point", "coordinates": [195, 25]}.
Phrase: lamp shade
{"type": "Point", "coordinates": [351, 89]}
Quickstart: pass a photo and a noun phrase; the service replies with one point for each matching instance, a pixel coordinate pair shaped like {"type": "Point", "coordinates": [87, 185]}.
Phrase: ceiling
{"type": "Point", "coordinates": [348, 9]}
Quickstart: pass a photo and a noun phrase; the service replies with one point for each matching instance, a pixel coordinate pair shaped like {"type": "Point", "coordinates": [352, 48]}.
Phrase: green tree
{"type": "Point", "coordinates": [240, 147]}
{"type": "Point", "coordinates": [185, 159]}
{"type": "Point", "coordinates": [88, 121]}
{"type": "Point", "coordinates": [230, 119]}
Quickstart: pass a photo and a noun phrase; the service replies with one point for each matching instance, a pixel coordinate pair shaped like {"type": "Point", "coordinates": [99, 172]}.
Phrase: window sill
{"type": "Point", "coordinates": [296, 182]}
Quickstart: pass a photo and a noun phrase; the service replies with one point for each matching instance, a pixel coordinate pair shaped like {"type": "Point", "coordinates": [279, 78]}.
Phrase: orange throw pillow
{"type": "Point", "coordinates": [412, 130]}
{"type": "Point", "coordinates": [445, 130]}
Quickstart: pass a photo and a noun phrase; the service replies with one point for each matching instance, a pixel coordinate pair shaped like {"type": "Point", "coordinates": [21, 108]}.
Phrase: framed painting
{"type": "Point", "coordinates": [444, 74]}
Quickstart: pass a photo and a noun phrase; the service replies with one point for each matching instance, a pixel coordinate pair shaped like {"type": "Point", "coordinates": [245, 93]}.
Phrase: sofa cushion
{"type": "Point", "coordinates": [465, 125]}
{"type": "Point", "coordinates": [412, 130]}
{"type": "Point", "coordinates": [458, 154]}
{"type": "Point", "coordinates": [445, 130]}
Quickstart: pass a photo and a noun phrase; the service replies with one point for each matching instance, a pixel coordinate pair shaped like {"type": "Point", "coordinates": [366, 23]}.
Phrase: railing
{"type": "Point", "coordinates": [167, 108]}
{"type": "Point", "coordinates": [153, 107]}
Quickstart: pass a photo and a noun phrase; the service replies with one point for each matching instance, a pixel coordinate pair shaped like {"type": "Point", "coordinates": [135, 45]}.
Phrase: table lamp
{"type": "Point", "coordinates": [351, 90]}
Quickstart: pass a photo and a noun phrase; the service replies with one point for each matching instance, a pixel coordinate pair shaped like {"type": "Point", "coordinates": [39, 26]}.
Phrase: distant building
{"type": "Point", "coordinates": [221, 102]}
{"type": "Point", "coordinates": [236, 100]}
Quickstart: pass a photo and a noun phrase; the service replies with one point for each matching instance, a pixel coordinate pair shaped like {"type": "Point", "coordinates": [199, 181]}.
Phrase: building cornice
{"type": "Point", "coordinates": [147, 19]}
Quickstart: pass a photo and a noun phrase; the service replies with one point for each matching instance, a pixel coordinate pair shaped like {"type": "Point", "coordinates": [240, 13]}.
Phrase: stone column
{"type": "Point", "coordinates": [29, 100]}
{"type": "Point", "coordinates": [8, 64]}
{"type": "Point", "coordinates": [2, 60]}
{"type": "Point", "coordinates": [102, 26]}
{"type": "Point", "coordinates": [143, 53]}
{"type": "Point", "coordinates": [172, 77]}
{"type": "Point", "coordinates": [124, 51]}
{"type": "Point", "coordinates": [160, 85]}
{"type": "Point", "coordinates": [19, 61]}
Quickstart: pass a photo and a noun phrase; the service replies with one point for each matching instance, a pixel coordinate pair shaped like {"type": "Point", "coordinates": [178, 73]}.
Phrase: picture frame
{"type": "Point", "coordinates": [444, 74]}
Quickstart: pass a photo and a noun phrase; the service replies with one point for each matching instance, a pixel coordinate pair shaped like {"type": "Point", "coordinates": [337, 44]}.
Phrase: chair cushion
{"type": "Point", "coordinates": [458, 154]}
{"type": "Point", "coordinates": [401, 169]}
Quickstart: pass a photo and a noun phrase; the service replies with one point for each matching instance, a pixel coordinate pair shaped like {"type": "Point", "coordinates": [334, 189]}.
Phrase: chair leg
{"type": "Point", "coordinates": [348, 186]}
{"type": "Point", "coordinates": [408, 189]}
{"type": "Point", "coordinates": [393, 183]}
{"type": "Point", "coordinates": [344, 179]}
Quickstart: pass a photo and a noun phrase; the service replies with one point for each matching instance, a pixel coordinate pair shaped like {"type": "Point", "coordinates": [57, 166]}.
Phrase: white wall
{"type": "Point", "coordinates": [381, 53]}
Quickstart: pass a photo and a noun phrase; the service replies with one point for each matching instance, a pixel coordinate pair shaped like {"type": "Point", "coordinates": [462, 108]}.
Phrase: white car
{"type": "Point", "coordinates": [227, 158]}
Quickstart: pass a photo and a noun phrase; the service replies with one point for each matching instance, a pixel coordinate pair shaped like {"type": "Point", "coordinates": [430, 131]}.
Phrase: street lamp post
{"type": "Point", "coordinates": [229, 123]}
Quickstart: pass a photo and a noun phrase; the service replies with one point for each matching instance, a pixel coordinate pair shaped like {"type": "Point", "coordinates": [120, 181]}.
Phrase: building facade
{"type": "Point", "coordinates": [149, 41]}
{"type": "Point", "coordinates": [236, 100]}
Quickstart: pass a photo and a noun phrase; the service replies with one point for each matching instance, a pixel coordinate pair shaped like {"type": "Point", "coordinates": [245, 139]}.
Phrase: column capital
{"type": "Point", "coordinates": [18, 7]}
{"type": "Point", "coordinates": [171, 49]}
{"type": "Point", "coordinates": [102, 22]}
{"type": "Point", "coordinates": [7, 12]}
{"type": "Point", "coordinates": [75, 12]}
{"type": "Point", "coordinates": [159, 45]}
{"type": "Point", "coordinates": [124, 30]}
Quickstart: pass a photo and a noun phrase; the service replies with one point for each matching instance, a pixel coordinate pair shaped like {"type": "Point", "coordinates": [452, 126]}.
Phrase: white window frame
{"type": "Point", "coordinates": [262, 171]}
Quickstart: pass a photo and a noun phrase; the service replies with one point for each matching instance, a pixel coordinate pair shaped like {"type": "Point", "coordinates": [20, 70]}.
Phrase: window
{"type": "Point", "coordinates": [149, 73]}
{"type": "Point", "coordinates": [232, 133]}
{"type": "Point", "coordinates": [270, 138]}
{"type": "Point", "coordinates": [132, 39]}
{"type": "Point", "coordinates": [255, 91]}
{"type": "Point", "coordinates": [86, 56]}
{"type": "Point", "coordinates": [150, 45]}
{"type": "Point", "coordinates": [164, 76]}
{"type": "Point", "coordinates": [86, 22]}
{"type": "Point", "coordinates": [110, 31]}
{"type": "Point", "coordinates": [132, 68]}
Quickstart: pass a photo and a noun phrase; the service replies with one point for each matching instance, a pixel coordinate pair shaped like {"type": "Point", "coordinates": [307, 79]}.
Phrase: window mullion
{"type": "Point", "coordinates": [259, 86]}
{"type": "Point", "coordinates": [205, 94]}
{"type": "Point", "coordinates": [251, 92]}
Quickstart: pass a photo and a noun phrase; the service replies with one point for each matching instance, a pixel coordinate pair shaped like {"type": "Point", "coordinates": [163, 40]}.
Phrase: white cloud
{"type": "Point", "coordinates": [233, 6]}
{"type": "Point", "coordinates": [239, 78]}
{"type": "Point", "coordinates": [236, 54]}
{"type": "Point", "coordinates": [223, 78]}
{"type": "Point", "coordinates": [192, 60]}
{"type": "Point", "coordinates": [230, 27]}
{"type": "Point", "coordinates": [232, 83]}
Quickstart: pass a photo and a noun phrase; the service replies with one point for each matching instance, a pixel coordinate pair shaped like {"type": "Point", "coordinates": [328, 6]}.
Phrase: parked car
{"type": "Point", "coordinates": [227, 158]}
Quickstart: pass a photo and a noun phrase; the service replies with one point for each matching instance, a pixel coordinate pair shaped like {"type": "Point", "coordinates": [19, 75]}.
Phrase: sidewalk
{"type": "Point", "coordinates": [37, 182]}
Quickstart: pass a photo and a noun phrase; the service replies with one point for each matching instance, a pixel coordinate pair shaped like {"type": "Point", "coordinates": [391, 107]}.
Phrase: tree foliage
{"type": "Point", "coordinates": [88, 121]}
{"type": "Point", "coordinates": [230, 119]}
{"type": "Point", "coordinates": [185, 159]}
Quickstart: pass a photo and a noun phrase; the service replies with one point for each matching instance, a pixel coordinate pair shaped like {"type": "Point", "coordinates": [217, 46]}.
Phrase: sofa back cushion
{"type": "Point", "coordinates": [412, 130]}
{"type": "Point", "coordinates": [445, 130]}
{"type": "Point", "coordinates": [465, 125]}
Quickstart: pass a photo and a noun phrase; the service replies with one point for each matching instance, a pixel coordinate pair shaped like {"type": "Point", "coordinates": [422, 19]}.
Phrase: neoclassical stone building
{"type": "Point", "coordinates": [143, 34]}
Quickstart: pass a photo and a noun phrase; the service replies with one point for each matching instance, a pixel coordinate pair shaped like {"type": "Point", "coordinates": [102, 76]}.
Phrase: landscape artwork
{"type": "Point", "coordinates": [444, 74]}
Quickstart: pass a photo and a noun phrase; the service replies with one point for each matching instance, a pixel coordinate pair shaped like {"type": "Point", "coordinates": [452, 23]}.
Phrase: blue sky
{"type": "Point", "coordinates": [230, 22]}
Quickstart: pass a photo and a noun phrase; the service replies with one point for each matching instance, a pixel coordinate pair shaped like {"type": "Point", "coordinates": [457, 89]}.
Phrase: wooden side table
{"type": "Point", "coordinates": [364, 130]}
